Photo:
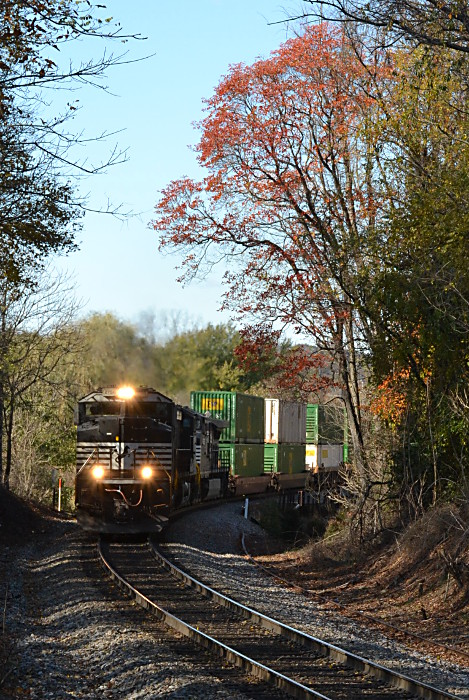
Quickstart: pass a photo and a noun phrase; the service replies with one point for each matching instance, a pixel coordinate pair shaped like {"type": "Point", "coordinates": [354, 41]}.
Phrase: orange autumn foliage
{"type": "Point", "coordinates": [390, 403]}
{"type": "Point", "coordinates": [289, 196]}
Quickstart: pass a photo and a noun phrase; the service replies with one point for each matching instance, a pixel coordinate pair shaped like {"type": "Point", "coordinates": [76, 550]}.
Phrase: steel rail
{"type": "Point", "coordinates": [392, 678]}
{"type": "Point", "coordinates": [250, 666]}
{"type": "Point", "coordinates": [342, 606]}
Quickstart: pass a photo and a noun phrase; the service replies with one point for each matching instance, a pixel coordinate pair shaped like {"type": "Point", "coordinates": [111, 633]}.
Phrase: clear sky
{"type": "Point", "coordinates": [155, 102]}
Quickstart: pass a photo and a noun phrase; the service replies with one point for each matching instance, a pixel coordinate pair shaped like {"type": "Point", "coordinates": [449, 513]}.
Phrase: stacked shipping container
{"type": "Point", "coordinates": [285, 437]}
{"type": "Point", "coordinates": [242, 441]}
{"type": "Point", "coordinates": [272, 436]}
{"type": "Point", "coordinates": [326, 436]}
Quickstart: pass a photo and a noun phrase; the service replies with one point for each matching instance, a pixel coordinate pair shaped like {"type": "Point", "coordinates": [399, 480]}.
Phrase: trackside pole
{"type": "Point", "coordinates": [60, 494]}
{"type": "Point", "coordinates": [246, 507]}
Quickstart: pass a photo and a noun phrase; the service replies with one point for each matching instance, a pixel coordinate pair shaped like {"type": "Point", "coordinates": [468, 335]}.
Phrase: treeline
{"type": "Point", "coordinates": [174, 361]}
{"type": "Point", "coordinates": [41, 208]}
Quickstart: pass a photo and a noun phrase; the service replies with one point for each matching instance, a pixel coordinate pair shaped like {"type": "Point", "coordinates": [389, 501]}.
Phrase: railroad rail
{"type": "Point", "coordinates": [261, 646]}
{"type": "Point", "coordinates": [270, 571]}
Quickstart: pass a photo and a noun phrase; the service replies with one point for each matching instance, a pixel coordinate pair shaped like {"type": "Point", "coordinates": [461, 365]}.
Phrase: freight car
{"type": "Point", "coordinates": [252, 422]}
{"type": "Point", "coordinates": [139, 455]}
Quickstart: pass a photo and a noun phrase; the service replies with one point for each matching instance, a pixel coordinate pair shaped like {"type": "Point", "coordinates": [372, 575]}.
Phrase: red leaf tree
{"type": "Point", "coordinates": [291, 196]}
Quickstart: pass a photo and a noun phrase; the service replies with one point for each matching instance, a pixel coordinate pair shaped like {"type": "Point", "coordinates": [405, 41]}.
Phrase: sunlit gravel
{"type": "Point", "coordinates": [208, 545]}
{"type": "Point", "coordinates": [77, 637]}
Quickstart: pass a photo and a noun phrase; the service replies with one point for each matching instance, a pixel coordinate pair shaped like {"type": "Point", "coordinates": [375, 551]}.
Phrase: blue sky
{"type": "Point", "coordinates": [154, 104]}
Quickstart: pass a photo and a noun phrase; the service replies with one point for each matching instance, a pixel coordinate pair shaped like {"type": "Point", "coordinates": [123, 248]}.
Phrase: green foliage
{"type": "Point", "coordinates": [44, 440]}
{"type": "Point", "coordinates": [419, 300]}
{"type": "Point", "coordinates": [36, 218]}
{"type": "Point", "coordinates": [202, 359]}
{"type": "Point", "coordinates": [115, 353]}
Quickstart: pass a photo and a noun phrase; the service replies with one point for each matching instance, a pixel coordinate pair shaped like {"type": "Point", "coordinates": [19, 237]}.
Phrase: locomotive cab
{"type": "Point", "coordinates": [139, 455]}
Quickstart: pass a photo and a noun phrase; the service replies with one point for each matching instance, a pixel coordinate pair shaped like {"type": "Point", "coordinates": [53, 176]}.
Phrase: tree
{"type": "Point", "coordinates": [36, 336]}
{"type": "Point", "coordinates": [37, 148]}
{"type": "Point", "coordinates": [421, 21]}
{"type": "Point", "coordinates": [419, 301]}
{"type": "Point", "coordinates": [31, 31]}
{"type": "Point", "coordinates": [36, 216]}
{"type": "Point", "coordinates": [292, 198]}
{"type": "Point", "coordinates": [114, 353]}
{"type": "Point", "coordinates": [207, 360]}
{"type": "Point", "coordinates": [43, 440]}
{"type": "Point", "coordinates": [421, 294]}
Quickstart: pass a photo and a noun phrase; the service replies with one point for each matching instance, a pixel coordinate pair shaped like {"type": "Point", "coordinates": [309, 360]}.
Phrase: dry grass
{"type": "Point", "coordinates": [417, 579]}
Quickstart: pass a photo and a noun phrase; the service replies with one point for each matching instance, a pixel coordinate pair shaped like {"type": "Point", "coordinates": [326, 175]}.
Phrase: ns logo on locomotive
{"type": "Point", "coordinates": [139, 455]}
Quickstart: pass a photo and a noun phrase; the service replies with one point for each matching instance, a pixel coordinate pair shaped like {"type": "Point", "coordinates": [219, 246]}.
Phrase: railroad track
{"type": "Point", "coordinates": [431, 645]}
{"type": "Point", "coordinates": [296, 663]}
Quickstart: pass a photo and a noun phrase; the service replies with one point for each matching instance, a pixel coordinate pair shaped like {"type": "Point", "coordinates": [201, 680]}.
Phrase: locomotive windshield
{"type": "Point", "coordinates": [99, 408]}
{"type": "Point", "coordinates": [131, 409]}
{"type": "Point", "coordinates": [149, 409]}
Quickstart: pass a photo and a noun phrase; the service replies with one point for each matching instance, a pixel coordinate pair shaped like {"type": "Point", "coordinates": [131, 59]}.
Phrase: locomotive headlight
{"type": "Point", "coordinates": [98, 472]}
{"type": "Point", "coordinates": [147, 472]}
{"type": "Point", "coordinates": [125, 392]}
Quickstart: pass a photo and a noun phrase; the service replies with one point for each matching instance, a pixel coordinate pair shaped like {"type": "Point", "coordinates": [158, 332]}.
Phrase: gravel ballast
{"type": "Point", "coordinates": [69, 633]}
{"type": "Point", "coordinates": [207, 545]}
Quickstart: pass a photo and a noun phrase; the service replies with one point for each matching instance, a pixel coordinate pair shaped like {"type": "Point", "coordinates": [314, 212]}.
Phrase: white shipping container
{"type": "Point", "coordinates": [285, 422]}
{"type": "Point", "coordinates": [311, 458]}
{"type": "Point", "coordinates": [327, 457]}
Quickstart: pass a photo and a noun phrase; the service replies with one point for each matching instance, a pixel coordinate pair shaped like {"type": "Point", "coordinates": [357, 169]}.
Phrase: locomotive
{"type": "Point", "coordinates": [139, 455]}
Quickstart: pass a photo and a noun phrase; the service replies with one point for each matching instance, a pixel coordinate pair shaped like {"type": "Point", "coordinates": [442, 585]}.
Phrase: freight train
{"type": "Point", "coordinates": [140, 455]}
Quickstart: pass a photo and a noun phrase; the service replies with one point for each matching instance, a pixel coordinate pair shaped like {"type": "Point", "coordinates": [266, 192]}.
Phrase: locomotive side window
{"type": "Point", "coordinates": [149, 409]}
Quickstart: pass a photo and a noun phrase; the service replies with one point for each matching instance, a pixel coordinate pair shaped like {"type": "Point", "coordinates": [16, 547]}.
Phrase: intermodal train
{"type": "Point", "coordinates": [140, 455]}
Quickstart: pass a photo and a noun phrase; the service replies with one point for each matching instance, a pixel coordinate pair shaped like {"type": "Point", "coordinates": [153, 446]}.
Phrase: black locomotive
{"type": "Point", "coordinates": [139, 455]}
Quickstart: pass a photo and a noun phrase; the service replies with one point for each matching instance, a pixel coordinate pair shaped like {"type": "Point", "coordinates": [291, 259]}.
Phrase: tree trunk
{"type": "Point", "coordinates": [9, 434]}
{"type": "Point", "coordinates": [349, 374]}
{"type": "Point", "coordinates": [3, 353]}
{"type": "Point", "coordinates": [432, 442]}
{"type": "Point", "coordinates": [2, 408]}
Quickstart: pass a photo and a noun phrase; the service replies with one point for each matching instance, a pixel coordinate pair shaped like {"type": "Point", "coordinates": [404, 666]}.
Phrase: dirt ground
{"type": "Point", "coordinates": [417, 581]}
{"type": "Point", "coordinates": [20, 524]}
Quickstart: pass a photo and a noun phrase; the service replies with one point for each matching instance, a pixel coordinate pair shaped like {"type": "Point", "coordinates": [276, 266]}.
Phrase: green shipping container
{"type": "Point", "coordinates": [312, 410]}
{"type": "Point", "coordinates": [242, 459]}
{"type": "Point", "coordinates": [346, 452]}
{"type": "Point", "coordinates": [326, 423]}
{"type": "Point", "coordinates": [244, 414]}
{"type": "Point", "coordinates": [284, 458]}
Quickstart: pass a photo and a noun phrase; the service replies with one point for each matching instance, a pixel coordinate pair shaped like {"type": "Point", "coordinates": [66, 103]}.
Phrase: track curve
{"type": "Point", "coordinates": [262, 646]}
